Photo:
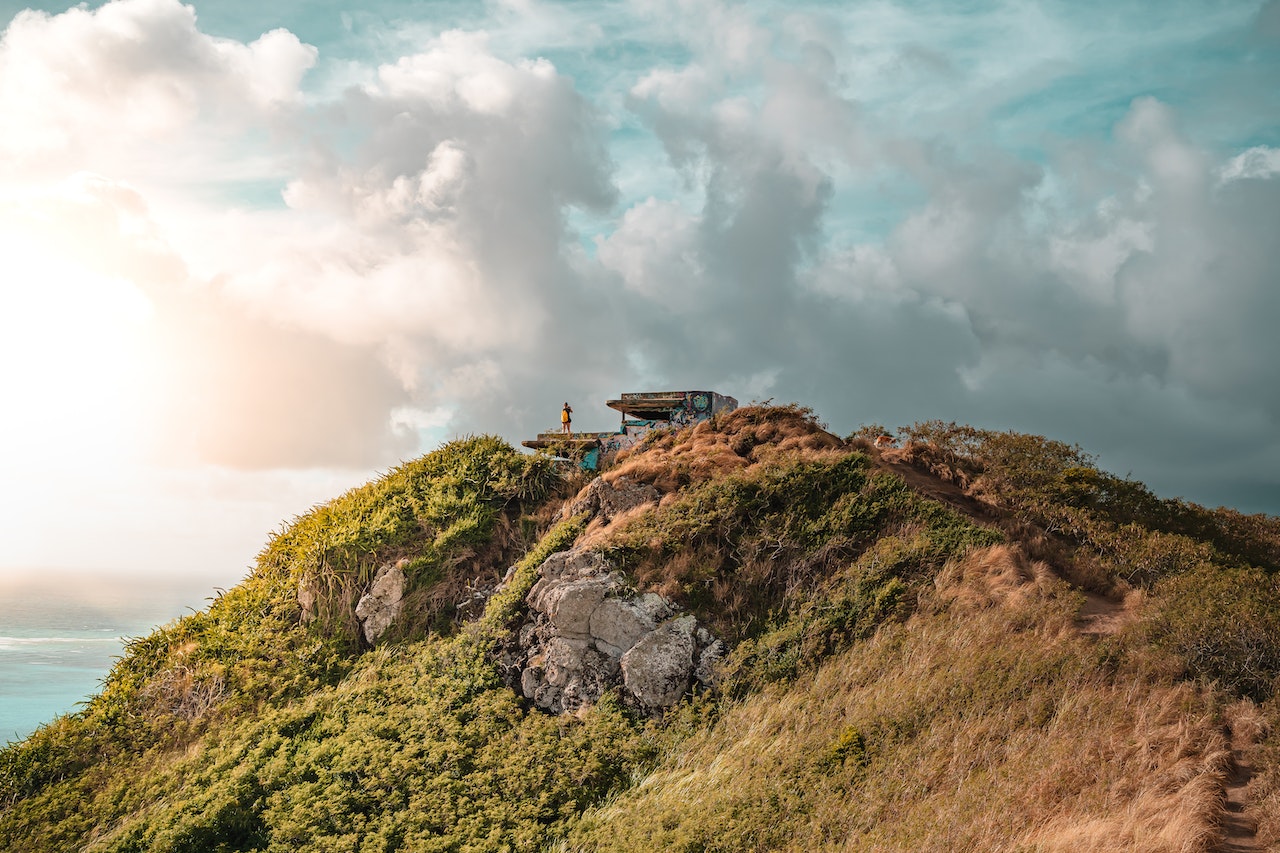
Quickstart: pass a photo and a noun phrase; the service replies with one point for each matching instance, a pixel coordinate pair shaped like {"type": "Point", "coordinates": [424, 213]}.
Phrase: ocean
{"type": "Point", "coordinates": [61, 631]}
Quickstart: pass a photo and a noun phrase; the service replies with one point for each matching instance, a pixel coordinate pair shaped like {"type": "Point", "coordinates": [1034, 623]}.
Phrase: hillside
{"type": "Point", "coordinates": [748, 635]}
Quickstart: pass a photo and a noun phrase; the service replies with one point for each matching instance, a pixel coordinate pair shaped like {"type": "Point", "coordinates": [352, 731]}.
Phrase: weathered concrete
{"type": "Point", "coordinates": [642, 413]}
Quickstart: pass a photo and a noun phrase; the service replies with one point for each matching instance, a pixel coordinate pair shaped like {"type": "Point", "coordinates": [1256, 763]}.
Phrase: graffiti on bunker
{"type": "Point", "coordinates": [642, 412]}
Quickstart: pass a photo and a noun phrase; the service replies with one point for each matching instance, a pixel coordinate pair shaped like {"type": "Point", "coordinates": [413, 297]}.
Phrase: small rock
{"type": "Point", "coordinates": [624, 495]}
{"type": "Point", "coordinates": [548, 697]}
{"type": "Point", "coordinates": [506, 579]}
{"type": "Point", "coordinates": [307, 597]}
{"type": "Point", "coordinates": [587, 500]}
{"type": "Point", "coordinates": [563, 660]}
{"type": "Point", "coordinates": [530, 679]}
{"type": "Point", "coordinates": [609, 500]}
{"type": "Point", "coordinates": [572, 564]}
{"type": "Point", "coordinates": [380, 606]}
{"type": "Point", "coordinates": [708, 659]}
{"type": "Point", "coordinates": [655, 606]}
{"type": "Point", "coordinates": [569, 605]}
{"type": "Point", "coordinates": [527, 637]}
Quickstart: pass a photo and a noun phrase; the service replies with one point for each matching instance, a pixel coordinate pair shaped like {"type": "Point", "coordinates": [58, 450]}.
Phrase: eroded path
{"type": "Point", "coordinates": [932, 486]}
{"type": "Point", "coordinates": [1101, 616]}
{"type": "Point", "coordinates": [1239, 831]}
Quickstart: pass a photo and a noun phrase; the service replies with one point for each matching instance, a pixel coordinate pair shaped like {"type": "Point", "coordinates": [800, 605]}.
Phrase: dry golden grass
{"type": "Point", "coordinates": [1170, 795]}
{"type": "Point", "coordinates": [998, 575]}
{"type": "Point", "coordinates": [942, 463]}
{"type": "Point", "coordinates": [728, 442]}
{"type": "Point", "coordinates": [1247, 722]}
{"type": "Point", "coordinates": [987, 721]}
{"type": "Point", "coordinates": [601, 531]}
{"type": "Point", "coordinates": [1255, 730]}
{"type": "Point", "coordinates": [984, 724]}
{"type": "Point", "coordinates": [943, 475]}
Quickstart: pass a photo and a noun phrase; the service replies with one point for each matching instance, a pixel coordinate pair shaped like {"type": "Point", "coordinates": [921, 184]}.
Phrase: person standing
{"type": "Point", "coordinates": [566, 417]}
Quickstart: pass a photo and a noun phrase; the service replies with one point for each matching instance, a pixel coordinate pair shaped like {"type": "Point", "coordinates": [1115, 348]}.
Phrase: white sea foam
{"type": "Point", "coordinates": [38, 641]}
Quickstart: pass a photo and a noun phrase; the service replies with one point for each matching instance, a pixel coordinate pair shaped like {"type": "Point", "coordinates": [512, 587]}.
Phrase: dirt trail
{"type": "Point", "coordinates": [1100, 615]}
{"type": "Point", "coordinates": [932, 486]}
{"type": "Point", "coordinates": [1239, 831]}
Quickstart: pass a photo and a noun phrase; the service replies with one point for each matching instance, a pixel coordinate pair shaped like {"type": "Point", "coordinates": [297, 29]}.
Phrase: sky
{"type": "Point", "coordinates": [252, 254]}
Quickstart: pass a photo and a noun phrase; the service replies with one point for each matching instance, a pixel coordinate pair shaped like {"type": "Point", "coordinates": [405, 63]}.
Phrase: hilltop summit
{"type": "Point", "coordinates": [745, 634]}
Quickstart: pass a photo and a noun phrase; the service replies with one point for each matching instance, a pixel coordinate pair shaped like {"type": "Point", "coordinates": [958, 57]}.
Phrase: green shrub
{"type": "Point", "coordinates": [1057, 486]}
{"type": "Point", "coordinates": [1222, 625]}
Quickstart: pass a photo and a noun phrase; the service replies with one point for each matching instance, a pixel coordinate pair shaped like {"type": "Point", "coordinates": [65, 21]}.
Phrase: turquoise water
{"type": "Point", "coordinates": [60, 633]}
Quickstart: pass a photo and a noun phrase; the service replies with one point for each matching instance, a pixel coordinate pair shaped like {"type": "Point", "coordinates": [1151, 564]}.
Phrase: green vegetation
{"type": "Point", "coordinates": [793, 559]}
{"type": "Point", "coordinates": [906, 668]}
{"type": "Point", "coordinates": [1222, 625]}
{"type": "Point", "coordinates": [440, 513]}
{"type": "Point", "coordinates": [419, 746]}
{"type": "Point", "coordinates": [208, 681]}
{"type": "Point", "coordinates": [1136, 536]}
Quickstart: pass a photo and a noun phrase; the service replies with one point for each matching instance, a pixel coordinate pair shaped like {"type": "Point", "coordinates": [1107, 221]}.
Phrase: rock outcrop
{"type": "Point", "coordinates": [587, 632]}
{"type": "Point", "coordinates": [607, 500]}
{"type": "Point", "coordinates": [380, 606]}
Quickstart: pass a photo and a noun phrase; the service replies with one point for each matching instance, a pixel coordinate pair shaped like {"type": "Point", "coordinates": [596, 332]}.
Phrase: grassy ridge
{"type": "Point", "coordinates": [419, 747]}
{"type": "Point", "coordinates": [905, 673]}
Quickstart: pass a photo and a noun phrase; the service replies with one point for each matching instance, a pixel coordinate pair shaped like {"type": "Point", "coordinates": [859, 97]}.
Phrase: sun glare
{"type": "Point", "coordinates": [72, 360]}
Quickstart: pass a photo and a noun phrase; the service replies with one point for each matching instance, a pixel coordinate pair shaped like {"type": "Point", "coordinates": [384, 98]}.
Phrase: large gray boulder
{"type": "Point", "coordinates": [587, 632]}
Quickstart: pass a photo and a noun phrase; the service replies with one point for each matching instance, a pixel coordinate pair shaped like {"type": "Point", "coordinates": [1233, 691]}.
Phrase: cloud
{"type": "Point", "coordinates": [1005, 297]}
{"type": "Point", "coordinates": [90, 89]}
{"type": "Point", "coordinates": [104, 327]}
{"type": "Point", "coordinates": [887, 212]}
{"type": "Point", "coordinates": [1267, 22]}
{"type": "Point", "coordinates": [1258, 162]}
{"type": "Point", "coordinates": [413, 255]}
{"type": "Point", "coordinates": [135, 88]}
{"type": "Point", "coordinates": [439, 235]}
{"type": "Point", "coordinates": [1158, 302]}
